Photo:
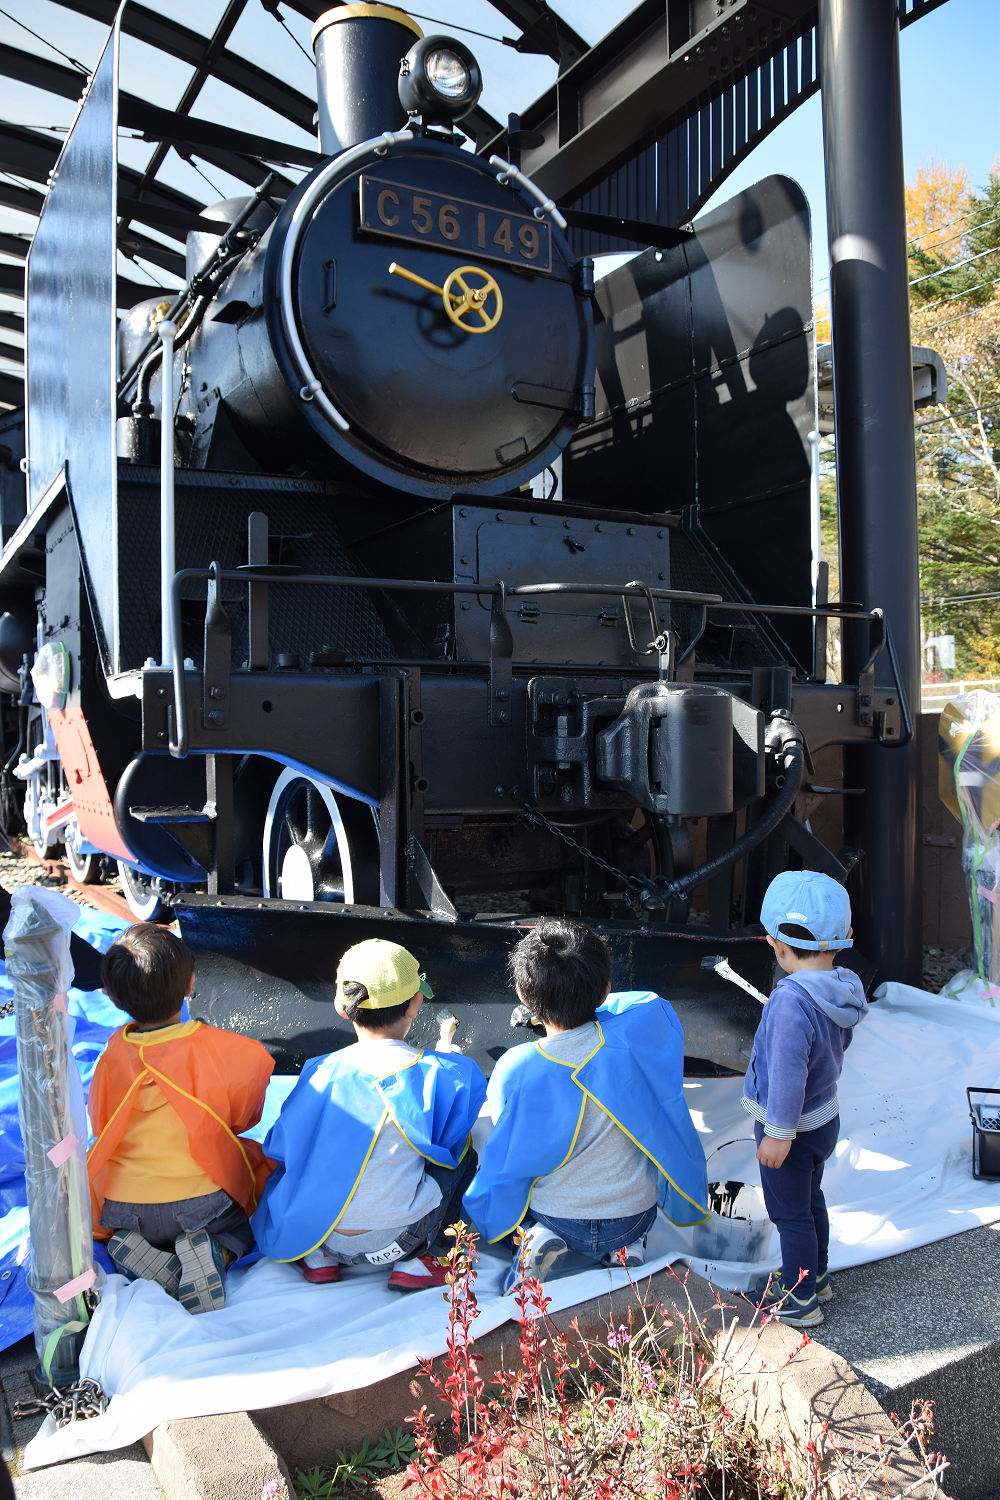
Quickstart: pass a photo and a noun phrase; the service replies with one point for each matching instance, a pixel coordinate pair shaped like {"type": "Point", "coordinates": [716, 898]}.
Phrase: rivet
{"type": "Point", "coordinates": [598, 527]}
{"type": "Point", "coordinates": [499, 515]}
{"type": "Point", "coordinates": [463, 512]}
{"type": "Point", "coordinates": [631, 531]}
{"type": "Point", "coordinates": [661, 535]}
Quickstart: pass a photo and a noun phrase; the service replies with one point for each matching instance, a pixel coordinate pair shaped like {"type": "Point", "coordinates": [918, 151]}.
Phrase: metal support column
{"type": "Point", "coordinates": [876, 476]}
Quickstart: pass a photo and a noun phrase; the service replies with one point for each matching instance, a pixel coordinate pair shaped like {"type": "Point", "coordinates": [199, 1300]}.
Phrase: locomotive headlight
{"type": "Point", "coordinates": [447, 73]}
{"type": "Point", "coordinates": [439, 80]}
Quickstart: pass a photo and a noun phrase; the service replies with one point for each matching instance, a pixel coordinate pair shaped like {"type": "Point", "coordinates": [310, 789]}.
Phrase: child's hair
{"type": "Point", "coordinates": [371, 1019]}
{"type": "Point", "coordinates": [789, 930]}
{"type": "Point", "coordinates": [561, 970]}
{"type": "Point", "coordinates": [147, 972]}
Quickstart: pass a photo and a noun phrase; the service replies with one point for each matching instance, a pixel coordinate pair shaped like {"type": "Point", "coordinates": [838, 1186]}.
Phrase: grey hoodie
{"type": "Point", "coordinates": [798, 1052]}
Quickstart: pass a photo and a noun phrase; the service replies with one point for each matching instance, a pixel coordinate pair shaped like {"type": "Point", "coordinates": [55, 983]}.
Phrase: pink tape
{"type": "Point", "coordinates": [990, 991]}
{"type": "Point", "coordinates": [993, 896]}
{"type": "Point", "coordinates": [63, 1151]}
{"type": "Point", "coordinates": [59, 1002]}
{"type": "Point", "coordinates": [77, 1285]}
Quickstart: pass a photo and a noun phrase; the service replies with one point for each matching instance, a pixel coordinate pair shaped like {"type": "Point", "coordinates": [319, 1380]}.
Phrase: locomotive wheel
{"type": "Point", "coordinates": [85, 868]}
{"type": "Point", "coordinates": [317, 848]}
{"type": "Point", "coordinates": [144, 900]}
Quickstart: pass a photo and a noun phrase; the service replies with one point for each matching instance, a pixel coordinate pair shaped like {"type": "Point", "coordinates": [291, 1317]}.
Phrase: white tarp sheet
{"type": "Point", "coordinates": [901, 1177]}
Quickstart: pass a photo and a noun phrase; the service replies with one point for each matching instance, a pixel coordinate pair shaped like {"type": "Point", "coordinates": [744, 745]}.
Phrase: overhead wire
{"type": "Point", "coordinates": [955, 266]}
{"type": "Point", "coordinates": [950, 416]}
{"type": "Point", "coordinates": [46, 43]}
{"type": "Point", "coordinates": [285, 26]}
{"type": "Point", "coordinates": [955, 295]}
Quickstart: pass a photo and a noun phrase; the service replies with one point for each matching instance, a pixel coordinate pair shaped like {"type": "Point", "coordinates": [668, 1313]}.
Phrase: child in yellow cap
{"type": "Point", "coordinates": [373, 1147]}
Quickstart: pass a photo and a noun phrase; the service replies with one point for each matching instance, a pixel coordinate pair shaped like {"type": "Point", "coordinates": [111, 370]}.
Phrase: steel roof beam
{"type": "Point", "coordinates": [542, 31]}
{"type": "Point", "coordinates": [643, 74]}
{"type": "Point", "coordinates": [26, 200]}
{"type": "Point", "coordinates": [128, 292]}
{"type": "Point", "coordinates": [11, 390]}
{"type": "Point", "coordinates": [190, 47]}
{"type": "Point", "coordinates": [9, 351]}
{"type": "Point", "coordinates": [11, 321]}
{"type": "Point", "coordinates": [15, 244]}
{"type": "Point", "coordinates": [167, 125]}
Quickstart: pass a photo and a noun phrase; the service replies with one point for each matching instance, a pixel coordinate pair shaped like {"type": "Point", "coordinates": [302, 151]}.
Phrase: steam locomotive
{"type": "Point", "coordinates": [397, 577]}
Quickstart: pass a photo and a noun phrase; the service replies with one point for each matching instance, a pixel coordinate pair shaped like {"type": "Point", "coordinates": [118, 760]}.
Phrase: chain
{"type": "Point", "coordinates": [632, 882]}
{"type": "Point", "coordinates": [6, 1010]}
{"type": "Point", "coordinates": [70, 1403]}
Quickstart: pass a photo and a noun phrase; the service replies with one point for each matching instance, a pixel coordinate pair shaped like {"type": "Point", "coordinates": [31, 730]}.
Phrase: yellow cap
{"type": "Point", "coordinates": [389, 973]}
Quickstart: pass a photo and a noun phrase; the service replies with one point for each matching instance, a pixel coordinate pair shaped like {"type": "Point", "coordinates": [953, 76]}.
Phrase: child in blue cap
{"type": "Point", "coordinates": [791, 1084]}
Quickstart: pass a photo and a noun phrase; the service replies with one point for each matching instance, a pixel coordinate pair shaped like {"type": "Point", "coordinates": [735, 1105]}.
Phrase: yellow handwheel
{"type": "Point", "coordinates": [472, 299]}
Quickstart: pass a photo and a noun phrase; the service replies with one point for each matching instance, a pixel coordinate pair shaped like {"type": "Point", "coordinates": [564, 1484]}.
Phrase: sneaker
{"type": "Point", "coordinates": [416, 1274]}
{"type": "Point", "coordinates": [540, 1254]}
{"type": "Point", "coordinates": [635, 1255]}
{"type": "Point", "coordinates": [824, 1291]}
{"type": "Point", "coordinates": [202, 1265]}
{"type": "Point", "coordinates": [137, 1259]}
{"type": "Point", "coordinates": [319, 1267]}
{"type": "Point", "coordinates": [771, 1297]}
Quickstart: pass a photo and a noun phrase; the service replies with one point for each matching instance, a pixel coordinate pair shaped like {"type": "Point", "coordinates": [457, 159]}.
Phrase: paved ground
{"type": "Point", "coordinates": [926, 1325]}
{"type": "Point", "coordinates": [124, 1475]}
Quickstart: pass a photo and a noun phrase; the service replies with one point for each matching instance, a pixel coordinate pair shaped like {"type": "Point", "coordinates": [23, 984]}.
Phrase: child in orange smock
{"type": "Point", "coordinates": [172, 1185]}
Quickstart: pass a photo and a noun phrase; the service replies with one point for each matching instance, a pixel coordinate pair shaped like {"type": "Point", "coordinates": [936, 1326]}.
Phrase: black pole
{"type": "Point", "coordinates": [876, 473]}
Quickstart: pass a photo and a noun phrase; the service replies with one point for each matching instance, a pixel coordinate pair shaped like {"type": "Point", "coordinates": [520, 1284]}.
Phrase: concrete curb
{"type": "Point", "coordinates": [800, 1396]}
{"type": "Point", "coordinates": [217, 1458]}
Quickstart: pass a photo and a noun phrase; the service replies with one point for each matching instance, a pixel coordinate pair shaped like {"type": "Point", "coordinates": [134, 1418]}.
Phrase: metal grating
{"type": "Point", "coordinates": [669, 180]}
{"type": "Point", "coordinates": [212, 515]}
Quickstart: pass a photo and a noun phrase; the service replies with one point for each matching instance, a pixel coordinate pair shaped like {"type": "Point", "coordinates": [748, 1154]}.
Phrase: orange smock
{"type": "Point", "coordinates": [214, 1081]}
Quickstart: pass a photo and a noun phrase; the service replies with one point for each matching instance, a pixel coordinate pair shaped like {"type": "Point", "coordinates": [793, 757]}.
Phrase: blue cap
{"type": "Point", "coordinates": [804, 898]}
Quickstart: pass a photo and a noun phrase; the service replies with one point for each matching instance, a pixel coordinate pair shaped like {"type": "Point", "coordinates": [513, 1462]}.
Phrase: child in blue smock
{"type": "Point", "coordinates": [373, 1146]}
{"type": "Point", "coordinates": [591, 1132]}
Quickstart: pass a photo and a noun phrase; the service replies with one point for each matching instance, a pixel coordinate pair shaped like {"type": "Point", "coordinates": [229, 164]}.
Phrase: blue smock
{"type": "Point", "coordinates": [327, 1129]}
{"type": "Point", "coordinates": [635, 1074]}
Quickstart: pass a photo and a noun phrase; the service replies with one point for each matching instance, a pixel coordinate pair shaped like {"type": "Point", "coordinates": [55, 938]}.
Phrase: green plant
{"type": "Point", "coordinates": [355, 1471]}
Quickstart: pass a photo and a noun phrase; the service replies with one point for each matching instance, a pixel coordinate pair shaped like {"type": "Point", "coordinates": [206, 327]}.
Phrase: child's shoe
{"type": "Point", "coordinates": [416, 1274]}
{"type": "Point", "coordinates": [540, 1253]}
{"type": "Point", "coordinates": [773, 1298]}
{"type": "Point", "coordinates": [203, 1265]}
{"type": "Point", "coordinates": [137, 1259]}
{"type": "Point", "coordinates": [318, 1266]}
{"type": "Point", "coordinates": [824, 1291]}
{"type": "Point", "coordinates": [635, 1256]}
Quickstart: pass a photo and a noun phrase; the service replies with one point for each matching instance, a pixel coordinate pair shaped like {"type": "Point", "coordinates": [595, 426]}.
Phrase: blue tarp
{"type": "Point", "coordinates": [95, 1018]}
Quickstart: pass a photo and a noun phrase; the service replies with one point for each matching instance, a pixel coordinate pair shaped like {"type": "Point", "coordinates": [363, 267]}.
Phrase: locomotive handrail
{"type": "Point", "coordinates": [179, 747]}
{"type": "Point", "coordinates": [311, 389]}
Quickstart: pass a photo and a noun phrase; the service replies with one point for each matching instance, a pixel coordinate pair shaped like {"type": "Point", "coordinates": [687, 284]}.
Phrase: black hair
{"type": "Point", "coordinates": [146, 972]}
{"type": "Point", "coordinates": [372, 1020]}
{"type": "Point", "coordinates": [561, 971]}
{"type": "Point", "coordinates": [792, 930]}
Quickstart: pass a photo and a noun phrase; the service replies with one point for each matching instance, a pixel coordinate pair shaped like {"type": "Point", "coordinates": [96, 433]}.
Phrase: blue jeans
{"type": "Point", "coordinates": [596, 1238]}
{"type": "Point", "coordinates": [793, 1196]}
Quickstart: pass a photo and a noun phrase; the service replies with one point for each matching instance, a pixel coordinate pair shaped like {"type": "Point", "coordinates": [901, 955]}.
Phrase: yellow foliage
{"type": "Point", "coordinates": [821, 316]}
{"type": "Point", "coordinates": [935, 199]}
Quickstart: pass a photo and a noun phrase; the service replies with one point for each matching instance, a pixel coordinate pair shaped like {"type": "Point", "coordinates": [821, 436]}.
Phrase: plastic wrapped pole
{"type": "Point", "coordinates": [969, 786]}
{"type": "Point", "coordinates": [53, 1127]}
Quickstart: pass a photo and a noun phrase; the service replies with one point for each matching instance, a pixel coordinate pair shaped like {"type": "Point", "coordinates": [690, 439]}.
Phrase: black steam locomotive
{"type": "Point", "coordinates": [397, 578]}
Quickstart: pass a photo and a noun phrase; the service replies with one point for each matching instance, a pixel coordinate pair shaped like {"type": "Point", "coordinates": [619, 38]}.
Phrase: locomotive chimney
{"type": "Point", "coordinates": [358, 50]}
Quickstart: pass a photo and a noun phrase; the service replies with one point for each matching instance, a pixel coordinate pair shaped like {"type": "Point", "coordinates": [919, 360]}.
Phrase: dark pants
{"type": "Point", "coordinates": [161, 1223]}
{"type": "Point", "coordinates": [453, 1182]}
{"type": "Point", "coordinates": [597, 1238]}
{"type": "Point", "coordinates": [427, 1235]}
{"type": "Point", "coordinates": [793, 1196]}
